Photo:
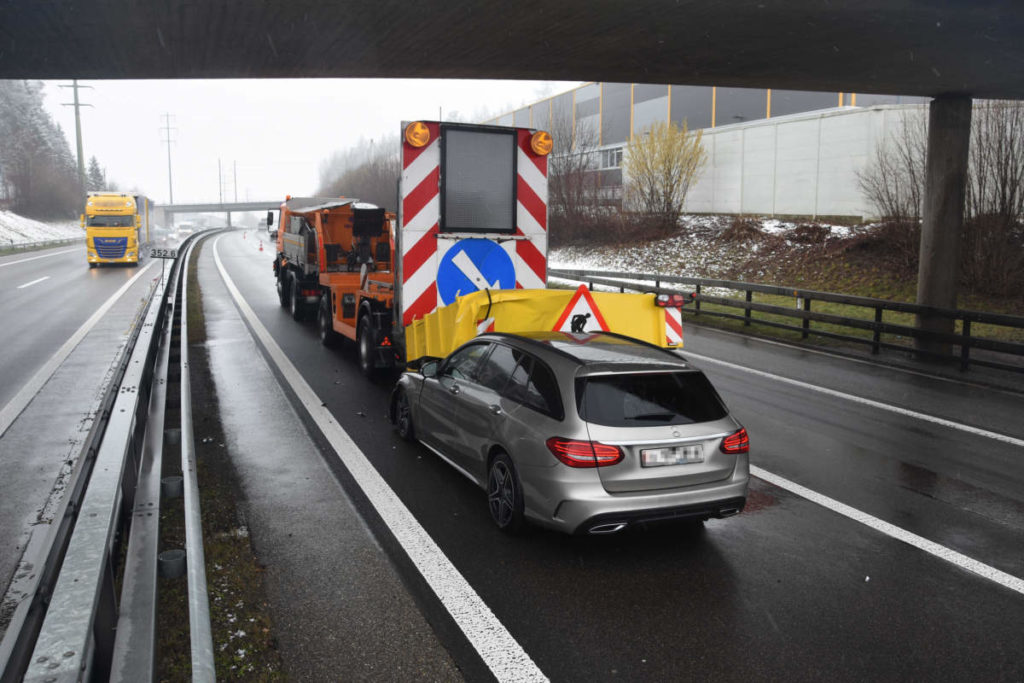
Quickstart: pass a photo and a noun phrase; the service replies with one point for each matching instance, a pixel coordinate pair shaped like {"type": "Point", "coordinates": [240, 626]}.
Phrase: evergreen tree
{"type": "Point", "coordinates": [95, 178]}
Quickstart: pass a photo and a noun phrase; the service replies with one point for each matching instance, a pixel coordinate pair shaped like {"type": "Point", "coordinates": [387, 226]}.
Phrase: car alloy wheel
{"type": "Point", "coordinates": [504, 495]}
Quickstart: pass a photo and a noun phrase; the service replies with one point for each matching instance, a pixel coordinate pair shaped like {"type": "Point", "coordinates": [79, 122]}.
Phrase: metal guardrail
{"type": "Point", "coordinates": [84, 631]}
{"type": "Point", "coordinates": [965, 340]}
{"type": "Point", "coordinates": [11, 245]}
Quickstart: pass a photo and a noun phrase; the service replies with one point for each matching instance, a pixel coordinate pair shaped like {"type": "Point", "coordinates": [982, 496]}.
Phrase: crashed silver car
{"type": "Point", "coordinates": [583, 433]}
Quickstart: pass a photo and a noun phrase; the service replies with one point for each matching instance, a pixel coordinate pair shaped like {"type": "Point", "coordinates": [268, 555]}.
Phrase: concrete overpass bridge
{"type": "Point", "coordinates": [166, 212]}
{"type": "Point", "coordinates": [952, 51]}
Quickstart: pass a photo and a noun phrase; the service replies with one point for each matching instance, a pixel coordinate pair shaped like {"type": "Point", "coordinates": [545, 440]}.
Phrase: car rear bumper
{"type": "Point", "coordinates": [591, 507]}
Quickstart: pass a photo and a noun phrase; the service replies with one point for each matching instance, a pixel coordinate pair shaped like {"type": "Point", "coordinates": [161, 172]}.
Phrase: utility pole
{"type": "Point", "coordinates": [234, 175]}
{"type": "Point", "coordinates": [78, 126]}
{"type": "Point", "coordinates": [167, 129]}
{"type": "Point", "coordinates": [220, 183]}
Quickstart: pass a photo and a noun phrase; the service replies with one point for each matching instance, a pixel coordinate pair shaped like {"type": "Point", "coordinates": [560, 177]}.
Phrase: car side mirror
{"type": "Point", "coordinates": [270, 218]}
{"type": "Point", "coordinates": [429, 369]}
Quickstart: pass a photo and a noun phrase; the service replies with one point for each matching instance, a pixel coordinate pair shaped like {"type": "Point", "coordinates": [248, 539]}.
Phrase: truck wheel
{"type": "Point", "coordinates": [282, 288]}
{"type": "Point", "coordinates": [328, 337]}
{"type": "Point", "coordinates": [367, 351]}
{"type": "Point", "coordinates": [297, 305]}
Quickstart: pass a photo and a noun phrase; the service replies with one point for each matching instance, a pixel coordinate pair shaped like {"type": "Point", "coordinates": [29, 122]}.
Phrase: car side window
{"type": "Point", "coordinates": [495, 370]}
{"type": "Point", "coordinates": [533, 385]}
{"type": "Point", "coordinates": [462, 364]}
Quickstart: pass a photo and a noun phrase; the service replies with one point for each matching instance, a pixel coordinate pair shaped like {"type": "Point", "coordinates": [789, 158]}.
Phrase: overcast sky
{"type": "Point", "coordinates": [278, 131]}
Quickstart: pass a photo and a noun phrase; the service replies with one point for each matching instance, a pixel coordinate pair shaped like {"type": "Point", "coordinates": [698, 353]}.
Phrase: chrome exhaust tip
{"type": "Point", "coordinates": [728, 512]}
{"type": "Point", "coordinates": [609, 528]}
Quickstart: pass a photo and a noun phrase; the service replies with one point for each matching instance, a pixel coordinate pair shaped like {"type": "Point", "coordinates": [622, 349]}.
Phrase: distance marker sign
{"type": "Point", "coordinates": [473, 265]}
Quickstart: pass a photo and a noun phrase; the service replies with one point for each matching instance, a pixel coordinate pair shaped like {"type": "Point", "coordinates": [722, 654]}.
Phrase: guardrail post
{"type": "Point", "coordinates": [746, 309]}
{"type": "Point", "coordinates": [806, 324]}
{"type": "Point", "coordinates": [875, 344]}
{"type": "Point", "coordinates": [965, 345]}
{"type": "Point", "coordinates": [697, 302]}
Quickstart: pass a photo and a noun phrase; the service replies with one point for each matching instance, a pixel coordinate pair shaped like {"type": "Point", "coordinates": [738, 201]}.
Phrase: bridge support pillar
{"type": "Point", "coordinates": [229, 219]}
{"type": "Point", "coordinates": [949, 135]}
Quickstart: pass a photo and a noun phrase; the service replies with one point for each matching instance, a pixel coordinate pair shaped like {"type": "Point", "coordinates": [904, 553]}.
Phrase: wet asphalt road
{"type": "Point", "coordinates": [38, 318]}
{"type": "Point", "coordinates": [787, 590]}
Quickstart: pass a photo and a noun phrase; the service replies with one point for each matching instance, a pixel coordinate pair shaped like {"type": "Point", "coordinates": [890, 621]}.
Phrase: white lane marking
{"type": "Point", "coordinates": [503, 655]}
{"type": "Point", "coordinates": [33, 258]}
{"type": "Point", "coordinates": [32, 386]}
{"type": "Point", "coordinates": [464, 263]}
{"type": "Point", "coordinates": [977, 431]}
{"type": "Point", "coordinates": [34, 282]}
{"type": "Point", "coordinates": [940, 551]}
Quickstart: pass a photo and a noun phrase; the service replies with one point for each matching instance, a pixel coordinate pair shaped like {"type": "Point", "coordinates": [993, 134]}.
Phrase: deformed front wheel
{"type": "Point", "coordinates": [505, 495]}
{"type": "Point", "coordinates": [403, 417]}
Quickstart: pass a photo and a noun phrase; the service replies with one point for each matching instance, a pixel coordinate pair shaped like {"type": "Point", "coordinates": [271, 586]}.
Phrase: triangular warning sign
{"type": "Point", "coordinates": [581, 315]}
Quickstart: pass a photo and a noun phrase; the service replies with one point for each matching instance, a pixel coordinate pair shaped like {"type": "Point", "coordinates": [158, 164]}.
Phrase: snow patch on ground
{"type": "Point", "coordinates": [16, 230]}
{"type": "Point", "coordinates": [695, 251]}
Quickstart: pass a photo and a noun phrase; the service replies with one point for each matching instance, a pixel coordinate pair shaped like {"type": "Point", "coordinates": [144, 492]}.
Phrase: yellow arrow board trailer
{"type": "Point", "coordinates": [581, 312]}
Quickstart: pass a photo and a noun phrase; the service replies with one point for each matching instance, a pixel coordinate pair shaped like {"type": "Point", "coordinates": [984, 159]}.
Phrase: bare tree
{"type": "Point", "coordinates": [992, 250]}
{"type": "Point", "coordinates": [573, 178]}
{"type": "Point", "coordinates": [660, 166]}
{"type": "Point", "coordinates": [368, 171]}
{"type": "Point", "coordinates": [894, 180]}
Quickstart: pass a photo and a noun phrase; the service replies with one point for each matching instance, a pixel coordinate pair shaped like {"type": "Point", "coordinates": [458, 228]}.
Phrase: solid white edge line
{"type": "Point", "coordinates": [940, 551]}
{"type": "Point", "coordinates": [21, 399]}
{"type": "Point", "coordinates": [977, 431]}
{"type": "Point", "coordinates": [33, 258]}
{"type": "Point", "coordinates": [500, 651]}
{"type": "Point", "coordinates": [34, 282]}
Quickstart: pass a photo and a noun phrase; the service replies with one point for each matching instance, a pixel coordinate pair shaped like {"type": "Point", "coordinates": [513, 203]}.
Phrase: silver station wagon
{"type": "Point", "coordinates": [583, 433]}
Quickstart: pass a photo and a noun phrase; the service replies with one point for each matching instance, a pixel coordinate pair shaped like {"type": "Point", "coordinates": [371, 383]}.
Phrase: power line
{"type": "Point", "coordinates": [166, 128]}
{"type": "Point", "coordinates": [78, 126]}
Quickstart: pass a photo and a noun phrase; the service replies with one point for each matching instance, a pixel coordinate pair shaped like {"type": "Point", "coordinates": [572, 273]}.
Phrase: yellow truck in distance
{"type": "Point", "coordinates": [114, 223]}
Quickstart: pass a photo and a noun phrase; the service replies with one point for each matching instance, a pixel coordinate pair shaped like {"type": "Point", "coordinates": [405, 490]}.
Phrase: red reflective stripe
{"type": "Point", "coordinates": [532, 257]}
{"type": "Point", "coordinates": [414, 202]}
{"type": "Point", "coordinates": [423, 305]}
{"type": "Point", "coordinates": [671, 321]}
{"type": "Point", "coordinates": [524, 144]}
{"type": "Point", "coordinates": [531, 202]}
{"type": "Point", "coordinates": [419, 253]}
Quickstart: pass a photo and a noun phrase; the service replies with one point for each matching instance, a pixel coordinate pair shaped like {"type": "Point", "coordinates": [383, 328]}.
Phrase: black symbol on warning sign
{"type": "Point", "coordinates": [579, 321]}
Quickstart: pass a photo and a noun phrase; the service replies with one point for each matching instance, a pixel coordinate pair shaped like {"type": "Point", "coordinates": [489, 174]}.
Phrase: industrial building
{"type": "Point", "coordinates": [770, 152]}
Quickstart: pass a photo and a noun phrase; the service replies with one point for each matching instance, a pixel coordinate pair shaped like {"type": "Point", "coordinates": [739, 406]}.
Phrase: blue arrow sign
{"type": "Point", "coordinates": [474, 264]}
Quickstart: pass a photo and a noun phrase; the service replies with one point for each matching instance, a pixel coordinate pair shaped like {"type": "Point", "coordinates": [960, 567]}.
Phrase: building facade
{"type": "Point", "coordinates": [603, 117]}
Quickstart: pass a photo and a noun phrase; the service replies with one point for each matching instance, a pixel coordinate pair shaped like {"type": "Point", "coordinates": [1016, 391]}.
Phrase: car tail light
{"type": "Point", "coordinates": [737, 442]}
{"type": "Point", "coordinates": [584, 453]}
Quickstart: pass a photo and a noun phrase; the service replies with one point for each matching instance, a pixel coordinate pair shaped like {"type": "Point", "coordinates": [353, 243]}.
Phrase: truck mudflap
{"type": "Point", "coordinates": [581, 311]}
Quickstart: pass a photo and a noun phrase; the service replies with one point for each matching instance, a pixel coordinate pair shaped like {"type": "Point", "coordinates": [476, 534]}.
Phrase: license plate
{"type": "Point", "coordinates": [673, 455]}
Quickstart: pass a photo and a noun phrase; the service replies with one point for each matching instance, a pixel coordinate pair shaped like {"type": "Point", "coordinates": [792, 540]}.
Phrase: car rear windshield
{"type": "Point", "coordinates": [648, 399]}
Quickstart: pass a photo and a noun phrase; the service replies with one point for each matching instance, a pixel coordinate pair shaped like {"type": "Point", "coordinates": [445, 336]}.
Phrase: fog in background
{"type": "Point", "coordinates": [276, 131]}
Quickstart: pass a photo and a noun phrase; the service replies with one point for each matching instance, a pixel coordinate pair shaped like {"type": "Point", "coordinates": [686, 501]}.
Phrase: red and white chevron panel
{"type": "Point", "coordinates": [674, 326]}
{"type": "Point", "coordinates": [421, 215]}
{"type": "Point", "coordinates": [422, 246]}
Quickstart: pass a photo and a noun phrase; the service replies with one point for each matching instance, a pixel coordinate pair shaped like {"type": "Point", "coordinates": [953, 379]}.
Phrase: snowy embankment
{"type": "Point", "coordinates": [699, 249]}
{"type": "Point", "coordinates": [17, 230]}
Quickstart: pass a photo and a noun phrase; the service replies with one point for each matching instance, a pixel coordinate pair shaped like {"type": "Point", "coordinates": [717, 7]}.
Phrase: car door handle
{"type": "Point", "coordinates": [454, 389]}
{"type": "Point", "coordinates": [495, 410]}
